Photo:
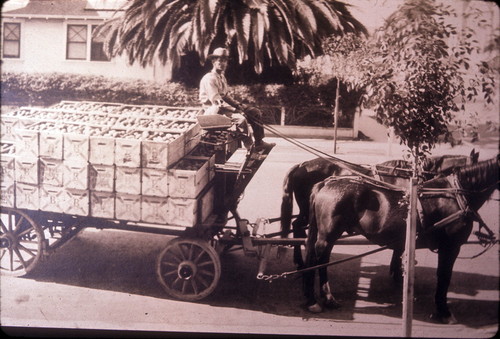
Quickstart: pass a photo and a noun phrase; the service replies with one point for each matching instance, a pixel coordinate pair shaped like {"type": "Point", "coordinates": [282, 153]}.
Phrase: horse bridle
{"type": "Point", "coordinates": [465, 210]}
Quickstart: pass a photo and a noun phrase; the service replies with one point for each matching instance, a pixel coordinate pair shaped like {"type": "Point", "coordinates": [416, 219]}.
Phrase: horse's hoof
{"type": "Point", "coordinates": [332, 304]}
{"type": "Point", "coordinates": [316, 308]}
{"type": "Point", "coordinates": [448, 320]}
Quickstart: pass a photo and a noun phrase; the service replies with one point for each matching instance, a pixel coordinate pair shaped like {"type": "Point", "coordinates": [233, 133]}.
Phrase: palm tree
{"type": "Point", "coordinates": [264, 33]}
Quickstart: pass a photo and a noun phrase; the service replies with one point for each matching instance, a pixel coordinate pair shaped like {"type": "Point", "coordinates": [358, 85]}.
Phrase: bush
{"type": "Point", "coordinates": [49, 88]}
{"type": "Point", "coordinates": [303, 104]}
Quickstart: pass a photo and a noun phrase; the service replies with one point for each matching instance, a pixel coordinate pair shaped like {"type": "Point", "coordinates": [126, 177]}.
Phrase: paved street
{"type": "Point", "coordinates": [106, 279]}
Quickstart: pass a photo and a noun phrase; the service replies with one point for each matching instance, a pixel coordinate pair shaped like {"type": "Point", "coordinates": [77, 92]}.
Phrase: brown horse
{"type": "Point", "coordinates": [347, 204]}
{"type": "Point", "coordinates": [301, 178]}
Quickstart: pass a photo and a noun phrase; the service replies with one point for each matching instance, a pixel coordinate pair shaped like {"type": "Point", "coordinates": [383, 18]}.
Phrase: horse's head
{"type": "Point", "coordinates": [480, 180]}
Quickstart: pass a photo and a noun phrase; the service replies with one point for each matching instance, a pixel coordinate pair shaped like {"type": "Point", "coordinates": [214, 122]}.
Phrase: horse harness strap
{"type": "Point", "coordinates": [375, 171]}
{"type": "Point", "coordinates": [465, 210]}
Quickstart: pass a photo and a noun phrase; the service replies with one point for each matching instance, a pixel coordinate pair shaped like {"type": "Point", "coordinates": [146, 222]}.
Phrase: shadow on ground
{"type": "Point", "coordinates": [126, 262]}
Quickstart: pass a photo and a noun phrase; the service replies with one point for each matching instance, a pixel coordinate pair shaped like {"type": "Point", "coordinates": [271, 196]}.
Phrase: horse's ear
{"type": "Point", "coordinates": [474, 156]}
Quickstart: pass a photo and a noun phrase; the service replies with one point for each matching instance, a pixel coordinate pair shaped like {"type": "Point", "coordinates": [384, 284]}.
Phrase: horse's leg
{"type": "Point", "coordinates": [325, 291]}
{"type": "Point", "coordinates": [323, 248]}
{"type": "Point", "coordinates": [446, 260]}
{"type": "Point", "coordinates": [395, 266]}
{"type": "Point", "coordinates": [308, 276]}
{"type": "Point", "coordinates": [299, 225]}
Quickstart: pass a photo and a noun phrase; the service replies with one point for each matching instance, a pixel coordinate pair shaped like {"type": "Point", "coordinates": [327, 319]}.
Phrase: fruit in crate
{"type": "Point", "coordinates": [190, 114]}
{"type": "Point", "coordinates": [181, 125]}
{"type": "Point", "coordinates": [190, 164]}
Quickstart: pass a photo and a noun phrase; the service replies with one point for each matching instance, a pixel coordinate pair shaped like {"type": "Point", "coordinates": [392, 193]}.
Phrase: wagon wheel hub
{"type": "Point", "coordinates": [186, 270]}
{"type": "Point", "coordinates": [7, 240]}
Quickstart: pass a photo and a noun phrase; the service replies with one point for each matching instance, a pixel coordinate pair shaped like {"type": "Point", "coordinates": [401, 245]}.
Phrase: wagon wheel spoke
{"type": "Point", "coordinates": [171, 264]}
{"type": "Point", "coordinates": [170, 273]}
{"type": "Point", "coordinates": [188, 269]}
{"type": "Point", "coordinates": [20, 257]}
{"type": "Point", "coordinates": [33, 254]}
{"type": "Point", "coordinates": [194, 285]}
{"type": "Point", "coordinates": [205, 263]}
{"type": "Point", "coordinates": [190, 252]}
{"type": "Point", "coordinates": [3, 227]}
{"type": "Point", "coordinates": [182, 252]}
{"type": "Point", "coordinates": [25, 232]}
{"type": "Point", "coordinates": [202, 280]}
{"type": "Point", "coordinates": [18, 223]}
{"type": "Point", "coordinates": [198, 258]}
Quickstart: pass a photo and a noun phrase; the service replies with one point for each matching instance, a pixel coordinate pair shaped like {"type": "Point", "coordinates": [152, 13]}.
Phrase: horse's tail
{"type": "Point", "coordinates": [287, 202]}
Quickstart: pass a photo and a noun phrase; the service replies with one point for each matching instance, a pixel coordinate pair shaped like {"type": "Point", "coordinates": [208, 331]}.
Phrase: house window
{"type": "Point", "coordinates": [11, 40]}
{"type": "Point", "coordinates": [76, 42]}
{"type": "Point", "coordinates": [97, 46]}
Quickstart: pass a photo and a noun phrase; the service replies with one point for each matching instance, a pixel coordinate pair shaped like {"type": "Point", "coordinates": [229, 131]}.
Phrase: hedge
{"type": "Point", "coordinates": [303, 104]}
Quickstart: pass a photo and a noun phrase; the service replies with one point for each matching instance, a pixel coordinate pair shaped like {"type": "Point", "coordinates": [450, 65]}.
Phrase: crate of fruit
{"type": "Point", "coordinates": [162, 149]}
{"type": "Point", "coordinates": [27, 196]}
{"type": "Point", "coordinates": [190, 176]}
{"type": "Point", "coordinates": [102, 204]}
{"type": "Point", "coordinates": [189, 212]}
{"type": "Point", "coordinates": [154, 209]}
{"type": "Point", "coordinates": [7, 163]}
{"type": "Point", "coordinates": [7, 194]}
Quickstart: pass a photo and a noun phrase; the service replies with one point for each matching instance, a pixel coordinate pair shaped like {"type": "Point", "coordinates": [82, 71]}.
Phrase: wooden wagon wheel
{"type": "Point", "coordinates": [21, 242]}
{"type": "Point", "coordinates": [188, 269]}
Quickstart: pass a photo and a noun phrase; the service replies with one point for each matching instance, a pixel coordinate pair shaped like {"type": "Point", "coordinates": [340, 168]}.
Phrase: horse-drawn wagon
{"type": "Point", "coordinates": [141, 168]}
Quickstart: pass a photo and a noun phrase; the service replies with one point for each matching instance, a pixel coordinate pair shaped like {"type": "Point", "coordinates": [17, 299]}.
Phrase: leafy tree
{"type": "Point", "coordinates": [420, 73]}
{"type": "Point", "coordinates": [262, 33]}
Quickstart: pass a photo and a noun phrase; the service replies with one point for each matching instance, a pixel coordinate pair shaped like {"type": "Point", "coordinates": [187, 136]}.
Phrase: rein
{"type": "Point", "coordinates": [342, 163]}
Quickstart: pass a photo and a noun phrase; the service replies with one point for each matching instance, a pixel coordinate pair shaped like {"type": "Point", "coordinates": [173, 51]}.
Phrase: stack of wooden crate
{"type": "Point", "coordinates": [128, 162]}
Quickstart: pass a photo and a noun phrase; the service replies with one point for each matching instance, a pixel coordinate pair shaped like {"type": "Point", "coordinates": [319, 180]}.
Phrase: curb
{"type": "Point", "coordinates": [311, 132]}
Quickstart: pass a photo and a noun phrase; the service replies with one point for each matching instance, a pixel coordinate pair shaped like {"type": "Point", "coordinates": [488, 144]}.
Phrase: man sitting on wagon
{"type": "Point", "coordinates": [215, 99]}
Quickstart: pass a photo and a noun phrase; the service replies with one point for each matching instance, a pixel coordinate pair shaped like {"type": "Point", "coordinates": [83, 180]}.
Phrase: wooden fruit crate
{"type": "Point", "coordinates": [128, 207]}
{"type": "Point", "coordinates": [101, 150]}
{"type": "Point", "coordinates": [7, 168]}
{"type": "Point", "coordinates": [27, 170]}
{"type": "Point", "coordinates": [77, 202]}
{"type": "Point", "coordinates": [76, 147]}
{"type": "Point", "coordinates": [27, 196]}
{"type": "Point", "coordinates": [52, 172]}
{"type": "Point", "coordinates": [7, 194]}
{"type": "Point", "coordinates": [190, 176]}
{"type": "Point", "coordinates": [102, 204]}
{"type": "Point", "coordinates": [76, 174]}
{"type": "Point", "coordinates": [188, 212]}
{"type": "Point", "coordinates": [160, 154]}
{"type": "Point", "coordinates": [51, 145]}
{"type": "Point", "coordinates": [154, 209]}
{"type": "Point", "coordinates": [127, 152]}
{"type": "Point", "coordinates": [53, 199]}
{"type": "Point", "coordinates": [128, 180]}
{"type": "Point", "coordinates": [154, 182]}
{"type": "Point", "coordinates": [102, 178]}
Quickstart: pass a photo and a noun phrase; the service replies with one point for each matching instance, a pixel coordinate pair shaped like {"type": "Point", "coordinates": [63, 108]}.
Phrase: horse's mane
{"type": "Point", "coordinates": [483, 172]}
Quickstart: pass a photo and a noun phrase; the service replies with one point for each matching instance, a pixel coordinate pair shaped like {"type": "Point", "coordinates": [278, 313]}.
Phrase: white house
{"type": "Point", "coordinates": [56, 36]}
